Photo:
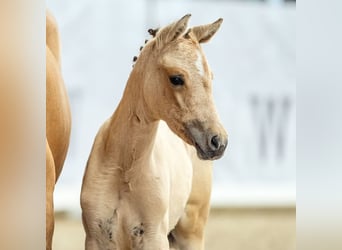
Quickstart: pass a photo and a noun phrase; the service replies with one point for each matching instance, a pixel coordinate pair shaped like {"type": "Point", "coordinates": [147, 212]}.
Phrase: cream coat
{"type": "Point", "coordinates": [145, 186]}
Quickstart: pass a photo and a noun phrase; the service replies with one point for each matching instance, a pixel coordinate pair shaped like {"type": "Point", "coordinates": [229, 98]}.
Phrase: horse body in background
{"type": "Point", "coordinates": [58, 120]}
{"type": "Point", "coordinates": [147, 183]}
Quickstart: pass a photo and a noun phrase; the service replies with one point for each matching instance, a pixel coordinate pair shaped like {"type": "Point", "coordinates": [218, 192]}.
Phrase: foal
{"type": "Point", "coordinates": [148, 179]}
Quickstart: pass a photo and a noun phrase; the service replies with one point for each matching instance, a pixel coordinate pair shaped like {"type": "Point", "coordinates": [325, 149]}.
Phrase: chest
{"type": "Point", "coordinates": [161, 183]}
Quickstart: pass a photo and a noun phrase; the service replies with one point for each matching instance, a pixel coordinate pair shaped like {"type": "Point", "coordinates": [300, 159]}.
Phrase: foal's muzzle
{"type": "Point", "coordinates": [209, 145]}
{"type": "Point", "coordinates": [214, 148]}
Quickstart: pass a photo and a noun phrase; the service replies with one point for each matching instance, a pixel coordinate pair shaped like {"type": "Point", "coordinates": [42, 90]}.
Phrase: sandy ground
{"type": "Point", "coordinates": [227, 229]}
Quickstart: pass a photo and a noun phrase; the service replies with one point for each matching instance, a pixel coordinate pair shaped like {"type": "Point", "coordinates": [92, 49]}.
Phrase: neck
{"type": "Point", "coordinates": [131, 131]}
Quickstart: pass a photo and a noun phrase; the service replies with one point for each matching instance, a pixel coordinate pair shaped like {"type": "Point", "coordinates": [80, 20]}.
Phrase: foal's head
{"type": "Point", "coordinates": [177, 85]}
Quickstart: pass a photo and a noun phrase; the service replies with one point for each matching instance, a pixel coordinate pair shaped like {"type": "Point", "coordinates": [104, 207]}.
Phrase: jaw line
{"type": "Point", "coordinates": [187, 137]}
{"type": "Point", "coordinates": [201, 154]}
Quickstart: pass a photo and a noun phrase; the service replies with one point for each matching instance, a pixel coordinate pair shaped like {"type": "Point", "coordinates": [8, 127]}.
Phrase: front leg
{"type": "Point", "coordinates": [189, 231]}
{"type": "Point", "coordinates": [118, 232]}
{"type": "Point", "coordinates": [126, 226]}
{"type": "Point", "coordinates": [50, 185]}
{"type": "Point", "coordinates": [99, 211]}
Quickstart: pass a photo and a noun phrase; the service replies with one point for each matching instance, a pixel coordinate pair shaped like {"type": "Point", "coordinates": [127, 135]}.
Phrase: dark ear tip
{"type": "Point", "coordinates": [220, 20]}
{"type": "Point", "coordinates": [187, 16]}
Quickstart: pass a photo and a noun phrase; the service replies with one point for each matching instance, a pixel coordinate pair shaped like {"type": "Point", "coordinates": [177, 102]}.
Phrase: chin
{"type": "Point", "coordinates": [208, 155]}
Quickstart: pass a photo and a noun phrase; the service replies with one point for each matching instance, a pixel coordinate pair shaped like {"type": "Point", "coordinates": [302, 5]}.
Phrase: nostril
{"type": "Point", "coordinates": [215, 142]}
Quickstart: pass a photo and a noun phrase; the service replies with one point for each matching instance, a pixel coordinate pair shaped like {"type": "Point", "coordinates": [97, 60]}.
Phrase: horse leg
{"type": "Point", "coordinates": [98, 228]}
{"type": "Point", "coordinates": [105, 231]}
{"type": "Point", "coordinates": [189, 231]}
{"type": "Point", "coordinates": [50, 184]}
{"type": "Point", "coordinates": [91, 244]}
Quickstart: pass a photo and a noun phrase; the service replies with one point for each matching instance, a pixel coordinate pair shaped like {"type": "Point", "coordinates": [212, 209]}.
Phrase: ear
{"type": "Point", "coordinates": [173, 31]}
{"type": "Point", "coordinates": [203, 33]}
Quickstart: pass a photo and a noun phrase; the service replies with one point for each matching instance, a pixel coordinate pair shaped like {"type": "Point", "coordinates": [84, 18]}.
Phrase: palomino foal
{"type": "Point", "coordinates": [148, 179]}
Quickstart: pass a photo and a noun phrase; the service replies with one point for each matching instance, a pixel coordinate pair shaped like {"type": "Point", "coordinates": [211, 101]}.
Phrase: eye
{"type": "Point", "coordinates": [177, 80]}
